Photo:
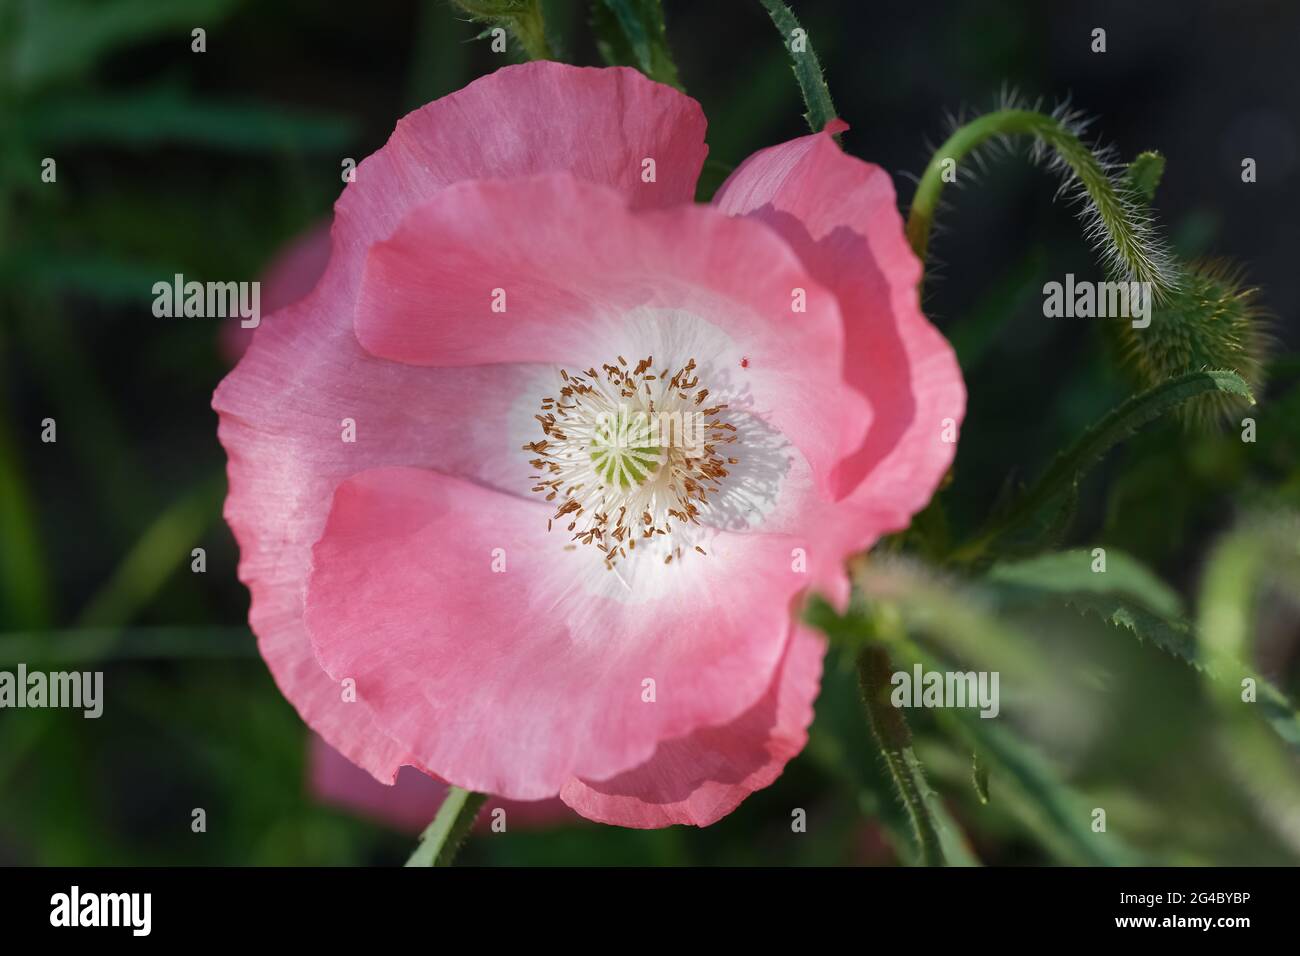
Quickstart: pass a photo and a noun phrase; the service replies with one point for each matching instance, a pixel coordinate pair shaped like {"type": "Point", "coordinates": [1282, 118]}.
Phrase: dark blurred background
{"type": "Point", "coordinates": [209, 163]}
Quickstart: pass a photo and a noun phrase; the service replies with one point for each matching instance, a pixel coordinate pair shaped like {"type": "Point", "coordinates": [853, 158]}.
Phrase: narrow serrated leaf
{"type": "Point", "coordinates": [633, 32]}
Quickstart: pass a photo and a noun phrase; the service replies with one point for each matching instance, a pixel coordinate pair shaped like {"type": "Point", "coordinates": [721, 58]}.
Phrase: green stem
{"type": "Point", "coordinates": [530, 30]}
{"type": "Point", "coordinates": [1121, 422]}
{"type": "Point", "coordinates": [1118, 228]}
{"type": "Point", "coordinates": [524, 19]}
{"type": "Point", "coordinates": [807, 69]}
{"type": "Point", "coordinates": [895, 742]}
{"type": "Point", "coordinates": [443, 837]}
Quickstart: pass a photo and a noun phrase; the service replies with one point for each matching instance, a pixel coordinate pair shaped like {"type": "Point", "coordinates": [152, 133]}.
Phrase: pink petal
{"type": "Point", "coordinates": [839, 214]}
{"type": "Point", "coordinates": [700, 778]}
{"type": "Point", "coordinates": [408, 805]}
{"type": "Point", "coordinates": [413, 801]}
{"type": "Point", "coordinates": [292, 274]}
{"type": "Point", "coordinates": [281, 408]}
{"type": "Point", "coordinates": [574, 262]}
{"type": "Point", "coordinates": [513, 682]}
{"type": "Point", "coordinates": [597, 124]}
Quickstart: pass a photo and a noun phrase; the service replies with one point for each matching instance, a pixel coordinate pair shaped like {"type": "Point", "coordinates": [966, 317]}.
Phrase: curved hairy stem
{"type": "Point", "coordinates": [807, 69]}
{"type": "Point", "coordinates": [1115, 218]}
{"type": "Point", "coordinates": [895, 742]}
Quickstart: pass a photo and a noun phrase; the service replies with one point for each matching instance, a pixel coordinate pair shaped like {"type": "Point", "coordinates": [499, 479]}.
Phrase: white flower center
{"type": "Point", "coordinates": [630, 454]}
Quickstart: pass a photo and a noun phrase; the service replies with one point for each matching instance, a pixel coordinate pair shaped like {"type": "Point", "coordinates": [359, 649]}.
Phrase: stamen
{"type": "Point", "coordinates": [627, 451]}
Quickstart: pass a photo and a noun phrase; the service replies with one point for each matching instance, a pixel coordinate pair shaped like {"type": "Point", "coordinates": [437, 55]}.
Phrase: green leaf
{"type": "Point", "coordinates": [1264, 550]}
{"type": "Point", "coordinates": [94, 275]}
{"type": "Point", "coordinates": [1028, 784]}
{"type": "Point", "coordinates": [165, 545]}
{"type": "Point", "coordinates": [1145, 173]}
{"type": "Point", "coordinates": [961, 622]}
{"type": "Point", "coordinates": [979, 775]}
{"type": "Point", "coordinates": [807, 70]}
{"type": "Point", "coordinates": [1137, 602]}
{"type": "Point", "coordinates": [1057, 813]}
{"type": "Point", "coordinates": [633, 33]}
{"type": "Point", "coordinates": [88, 645]}
{"type": "Point", "coordinates": [906, 598]}
{"type": "Point", "coordinates": [58, 39]}
{"type": "Point", "coordinates": [1065, 472]}
{"type": "Point", "coordinates": [1070, 572]}
{"type": "Point", "coordinates": [1172, 636]}
{"type": "Point", "coordinates": [1177, 638]}
{"type": "Point", "coordinates": [165, 114]}
{"type": "Point", "coordinates": [443, 837]}
{"type": "Point", "coordinates": [24, 579]}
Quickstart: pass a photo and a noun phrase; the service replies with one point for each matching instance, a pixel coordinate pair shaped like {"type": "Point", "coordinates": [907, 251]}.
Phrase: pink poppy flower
{"type": "Point", "coordinates": [291, 275]}
{"type": "Point", "coordinates": [463, 559]}
{"type": "Point", "coordinates": [411, 802]}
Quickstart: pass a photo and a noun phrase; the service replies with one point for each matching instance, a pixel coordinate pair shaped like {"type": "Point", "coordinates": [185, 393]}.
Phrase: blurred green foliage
{"type": "Point", "coordinates": [1111, 698]}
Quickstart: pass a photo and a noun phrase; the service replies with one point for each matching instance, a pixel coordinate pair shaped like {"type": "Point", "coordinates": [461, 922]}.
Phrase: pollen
{"type": "Point", "coordinates": [630, 452]}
